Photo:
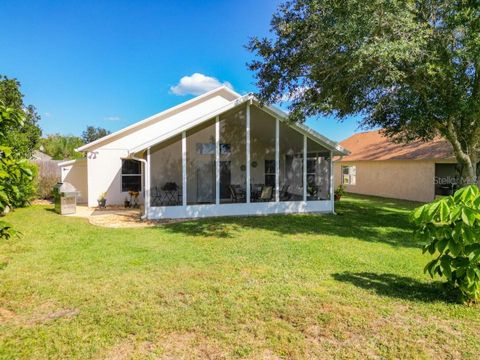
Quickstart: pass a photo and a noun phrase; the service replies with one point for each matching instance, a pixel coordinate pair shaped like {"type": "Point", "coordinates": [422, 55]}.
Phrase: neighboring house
{"type": "Point", "coordinates": [38, 155]}
{"type": "Point", "coordinates": [376, 166]}
{"type": "Point", "coordinates": [218, 154]}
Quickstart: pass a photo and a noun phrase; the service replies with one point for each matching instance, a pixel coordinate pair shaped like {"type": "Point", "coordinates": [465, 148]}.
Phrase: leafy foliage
{"type": "Point", "coordinates": [93, 133]}
{"type": "Point", "coordinates": [27, 185]}
{"type": "Point", "coordinates": [410, 67]}
{"type": "Point", "coordinates": [450, 228]}
{"type": "Point", "coordinates": [25, 138]}
{"type": "Point", "coordinates": [61, 147]}
{"type": "Point", "coordinates": [14, 173]}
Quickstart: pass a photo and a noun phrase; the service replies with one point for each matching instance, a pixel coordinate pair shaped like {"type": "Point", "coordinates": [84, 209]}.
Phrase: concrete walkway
{"type": "Point", "coordinates": [113, 217]}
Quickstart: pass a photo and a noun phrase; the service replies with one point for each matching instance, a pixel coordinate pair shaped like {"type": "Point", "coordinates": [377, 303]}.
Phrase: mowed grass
{"type": "Point", "coordinates": [293, 287]}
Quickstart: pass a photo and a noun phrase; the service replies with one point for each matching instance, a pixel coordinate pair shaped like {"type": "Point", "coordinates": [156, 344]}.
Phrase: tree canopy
{"type": "Point", "coordinates": [25, 138]}
{"type": "Point", "coordinates": [61, 147]}
{"type": "Point", "coordinates": [410, 67]}
{"type": "Point", "coordinates": [92, 133]}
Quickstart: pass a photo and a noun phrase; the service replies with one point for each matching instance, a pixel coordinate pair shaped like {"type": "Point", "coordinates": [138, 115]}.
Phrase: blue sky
{"type": "Point", "coordinates": [112, 63]}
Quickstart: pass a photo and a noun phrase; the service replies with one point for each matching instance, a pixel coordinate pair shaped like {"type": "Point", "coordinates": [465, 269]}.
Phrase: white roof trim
{"type": "Point", "coordinates": [162, 113]}
{"type": "Point", "coordinates": [70, 162]}
{"type": "Point", "coordinates": [303, 129]}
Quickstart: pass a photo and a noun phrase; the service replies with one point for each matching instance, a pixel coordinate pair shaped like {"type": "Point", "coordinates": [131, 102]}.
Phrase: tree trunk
{"type": "Point", "coordinates": [469, 175]}
{"type": "Point", "coordinates": [466, 157]}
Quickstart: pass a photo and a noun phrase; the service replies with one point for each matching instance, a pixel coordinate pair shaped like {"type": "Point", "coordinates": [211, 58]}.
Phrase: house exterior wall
{"type": "Point", "coordinates": [398, 179]}
{"type": "Point", "coordinates": [76, 174]}
{"type": "Point", "coordinates": [105, 175]}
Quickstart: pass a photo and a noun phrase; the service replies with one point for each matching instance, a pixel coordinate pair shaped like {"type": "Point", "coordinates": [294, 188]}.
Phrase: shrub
{"type": "Point", "coordinates": [450, 228]}
{"type": "Point", "coordinates": [45, 186]}
{"type": "Point", "coordinates": [27, 186]}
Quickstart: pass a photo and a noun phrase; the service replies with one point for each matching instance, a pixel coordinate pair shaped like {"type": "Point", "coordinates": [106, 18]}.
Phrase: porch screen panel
{"type": "Point", "coordinates": [166, 173]}
{"type": "Point", "coordinates": [233, 146]}
{"type": "Point", "coordinates": [201, 164]}
{"type": "Point", "coordinates": [318, 172]}
{"type": "Point", "coordinates": [262, 155]}
{"type": "Point", "coordinates": [291, 164]}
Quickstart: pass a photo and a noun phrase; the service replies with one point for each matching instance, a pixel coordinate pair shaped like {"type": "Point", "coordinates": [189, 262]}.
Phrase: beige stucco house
{"type": "Point", "coordinates": [376, 166]}
{"type": "Point", "coordinates": [218, 154]}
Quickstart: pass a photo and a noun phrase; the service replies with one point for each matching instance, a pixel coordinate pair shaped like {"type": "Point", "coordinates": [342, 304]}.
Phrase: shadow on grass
{"type": "Point", "coordinates": [371, 220]}
{"type": "Point", "coordinates": [400, 287]}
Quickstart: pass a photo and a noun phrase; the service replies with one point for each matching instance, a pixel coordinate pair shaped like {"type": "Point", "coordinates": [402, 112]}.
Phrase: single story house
{"type": "Point", "coordinates": [417, 171]}
{"type": "Point", "coordinates": [217, 154]}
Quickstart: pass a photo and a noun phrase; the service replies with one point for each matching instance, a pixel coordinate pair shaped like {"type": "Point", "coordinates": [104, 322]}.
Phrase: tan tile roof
{"type": "Point", "coordinates": [372, 145]}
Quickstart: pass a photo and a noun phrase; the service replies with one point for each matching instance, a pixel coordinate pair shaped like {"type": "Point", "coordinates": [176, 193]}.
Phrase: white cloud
{"type": "Point", "coordinates": [112, 118]}
{"type": "Point", "coordinates": [197, 84]}
{"type": "Point", "coordinates": [47, 114]}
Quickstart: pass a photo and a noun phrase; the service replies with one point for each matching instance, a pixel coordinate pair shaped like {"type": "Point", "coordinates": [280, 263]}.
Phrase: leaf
{"type": "Point", "coordinates": [444, 211]}
{"type": "Point", "coordinates": [454, 247]}
{"type": "Point", "coordinates": [442, 245]}
{"type": "Point", "coordinates": [468, 216]}
{"type": "Point", "coordinates": [446, 266]}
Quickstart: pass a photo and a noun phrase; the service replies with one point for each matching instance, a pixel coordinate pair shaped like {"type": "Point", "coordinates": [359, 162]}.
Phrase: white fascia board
{"type": "Point", "coordinates": [88, 146]}
{"type": "Point", "coordinates": [70, 162]}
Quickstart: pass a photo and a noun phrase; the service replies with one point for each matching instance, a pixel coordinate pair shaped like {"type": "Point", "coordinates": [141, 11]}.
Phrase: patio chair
{"type": "Point", "coordinates": [266, 195]}
{"type": "Point", "coordinates": [233, 193]}
{"type": "Point", "coordinates": [284, 194]}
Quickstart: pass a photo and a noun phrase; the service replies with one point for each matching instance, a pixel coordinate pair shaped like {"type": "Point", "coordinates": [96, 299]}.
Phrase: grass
{"type": "Point", "coordinates": [299, 286]}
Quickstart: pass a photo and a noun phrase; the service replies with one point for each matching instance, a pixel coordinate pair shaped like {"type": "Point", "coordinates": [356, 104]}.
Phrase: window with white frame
{"type": "Point", "coordinates": [131, 175]}
{"type": "Point", "coordinates": [349, 175]}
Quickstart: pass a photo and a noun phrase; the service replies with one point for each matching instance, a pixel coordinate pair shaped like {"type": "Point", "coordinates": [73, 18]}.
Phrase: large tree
{"type": "Point", "coordinates": [92, 133]}
{"type": "Point", "coordinates": [61, 147]}
{"type": "Point", "coordinates": [24, 139]}
{"type": "Point", "coordinates": [410, 67]}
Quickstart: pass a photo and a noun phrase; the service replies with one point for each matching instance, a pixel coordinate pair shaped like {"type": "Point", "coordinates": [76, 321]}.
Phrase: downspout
{"type": "Point", "coordinates": [147, 183]}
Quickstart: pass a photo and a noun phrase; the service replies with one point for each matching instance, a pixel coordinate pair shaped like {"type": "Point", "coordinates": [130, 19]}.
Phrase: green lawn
{"type": "Point", "coordinates": [301, 286]}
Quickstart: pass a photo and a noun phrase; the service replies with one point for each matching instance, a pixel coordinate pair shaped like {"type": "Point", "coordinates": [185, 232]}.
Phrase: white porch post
{"type": "Point", "coordinates": [217, 160]}
{"type": "Point", "coordinates": [277, 160]}
{"type": "Point", "coordinates": [147, 184]}
{"type": "Point", "coordinates": [248, 152]}
{"type": "Point", "coordinates": [304, 168]}
{"type": "Point", "coordinates": [184, 168]}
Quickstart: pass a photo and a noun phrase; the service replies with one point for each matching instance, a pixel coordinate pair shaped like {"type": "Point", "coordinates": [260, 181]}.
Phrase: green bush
{"type": "Point", "coordinates": [45, 186]}
{"type": "Point", "coordinates": [450, 228]}
{"type": "Point", "coordinates": [27, 187]}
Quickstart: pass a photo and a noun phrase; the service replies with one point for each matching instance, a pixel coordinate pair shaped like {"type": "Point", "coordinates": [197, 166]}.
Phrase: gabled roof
{"type": "Point", "coordinates": [373, 146]}
{"type": "Point", "coordinates": [166, 130]}
{"type": "Point", "coordinates": [158, 116]}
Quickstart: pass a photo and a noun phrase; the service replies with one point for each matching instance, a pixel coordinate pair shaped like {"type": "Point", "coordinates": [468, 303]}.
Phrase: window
{"type": "Point", "coordinates": [131, 175]}
{"type": "Point", "coordinates": [209, 149]}
{"type": "Point", "coordinates": [349, 175]}
{"type": "Point", "coordinates": [270, 173]}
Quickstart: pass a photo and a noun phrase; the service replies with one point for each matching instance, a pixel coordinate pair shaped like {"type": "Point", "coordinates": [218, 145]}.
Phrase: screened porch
{"type": "Point", "coordinates": [244, 156]}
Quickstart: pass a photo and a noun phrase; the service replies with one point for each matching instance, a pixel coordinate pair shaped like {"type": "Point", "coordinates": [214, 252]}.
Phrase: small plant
{"type": "Point", "coordinates": [134, 198]}
{"type": "Point", "coordinates": [102, 200]}
{"type": "Point", "coordinates": [339, 192]}
{"type": "Point", "coordinates": [450, 228]}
